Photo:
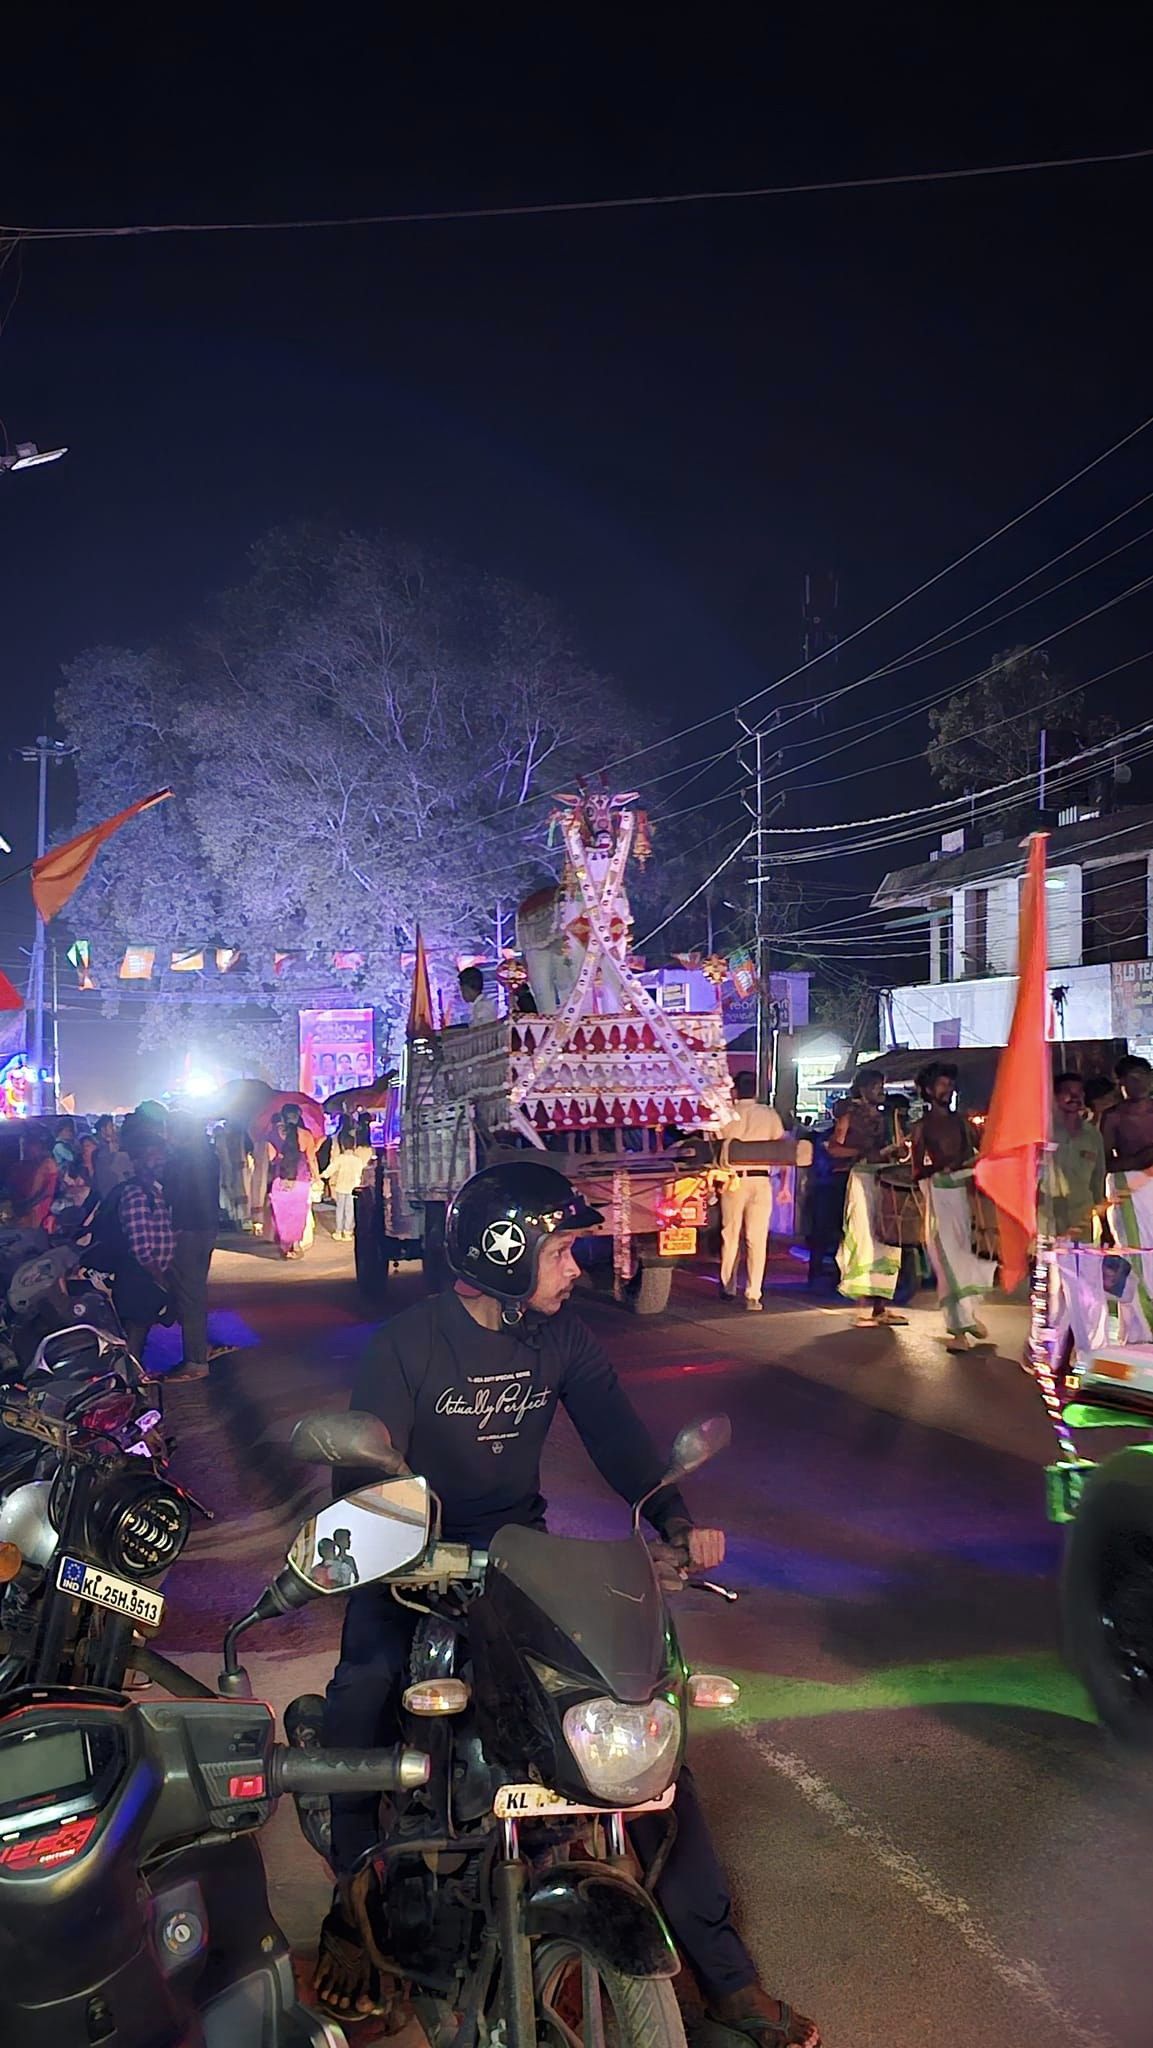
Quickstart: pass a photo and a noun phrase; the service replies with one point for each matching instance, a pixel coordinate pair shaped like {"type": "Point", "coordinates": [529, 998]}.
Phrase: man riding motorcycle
{"type": "Point", "coordinates": [467, 1383]}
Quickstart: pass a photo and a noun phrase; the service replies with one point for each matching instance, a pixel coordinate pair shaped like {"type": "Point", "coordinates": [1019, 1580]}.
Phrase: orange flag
{"type": "Point", "coordinates": [56, 876]}
{"type": "Point", "coordinates": [420, 1024]}
{"type": "Point", "coordinates": [1017, 1125]}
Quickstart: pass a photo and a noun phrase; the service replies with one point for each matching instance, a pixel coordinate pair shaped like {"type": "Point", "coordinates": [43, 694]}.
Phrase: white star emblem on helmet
{"type": "Point", "coordinates": [503, 1243]}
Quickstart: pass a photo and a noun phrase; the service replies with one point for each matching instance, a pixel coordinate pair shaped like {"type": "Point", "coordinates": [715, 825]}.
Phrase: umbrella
{"type": "Point", "coordinates": [374, 1095]}
{"type": "Point", "coordinates": [311, 1113]}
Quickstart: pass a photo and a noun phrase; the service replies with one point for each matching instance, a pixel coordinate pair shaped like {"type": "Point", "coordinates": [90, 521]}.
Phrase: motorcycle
{"type": "Point", "coordinates": [546, 1685]}
{"type": "Point", "coordinates": [545, 1705]}
{"type": "Point", "coordinates": [47, 1284]}
{"type": "Point", "coordinates": [88, 1514]}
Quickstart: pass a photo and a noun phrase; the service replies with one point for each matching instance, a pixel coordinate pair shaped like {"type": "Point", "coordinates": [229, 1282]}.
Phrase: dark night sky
{"type": "Point", "coordinates": [659, 418]}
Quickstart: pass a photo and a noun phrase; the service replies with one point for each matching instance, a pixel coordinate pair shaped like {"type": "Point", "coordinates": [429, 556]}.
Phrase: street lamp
{"type": "Point", "coordinates": [26, 455]}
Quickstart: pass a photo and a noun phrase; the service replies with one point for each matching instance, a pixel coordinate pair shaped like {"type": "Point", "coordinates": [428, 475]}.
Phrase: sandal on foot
{"type": "Point", "coordinates": [749, 2013]}
{"type": "Point", "coordinates": [341, 1947]}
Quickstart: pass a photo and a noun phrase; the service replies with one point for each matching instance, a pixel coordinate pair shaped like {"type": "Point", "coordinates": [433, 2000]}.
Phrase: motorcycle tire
{"type": "Point", "coordinates": [1107, 1595]}
{"type": "Point", "coordinates": [643, 2011]}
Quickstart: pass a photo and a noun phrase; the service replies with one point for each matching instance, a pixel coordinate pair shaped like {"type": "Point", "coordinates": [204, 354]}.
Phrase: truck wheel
{"type": "Point", "coordinates": [369, 1253]}
{"type": "Point", "coordinates": [432, 1259]}
{"type": "Point", "coordinates": [649, 1290]}
{"type": "Point", "coordinates": [1107, 1595]}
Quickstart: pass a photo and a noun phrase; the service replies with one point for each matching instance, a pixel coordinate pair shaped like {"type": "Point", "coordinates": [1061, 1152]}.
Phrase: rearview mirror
{"type": "Point", "coordinates": [351, 1438]}
{"type": "Point", "coordinates": [696, 1444]}
{"type": "Point", "coordinates": [368, 1535]}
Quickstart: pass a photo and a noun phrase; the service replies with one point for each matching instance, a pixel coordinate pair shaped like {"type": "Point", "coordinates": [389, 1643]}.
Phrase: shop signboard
{"type": "Point", "coordinates": [1132, 992]}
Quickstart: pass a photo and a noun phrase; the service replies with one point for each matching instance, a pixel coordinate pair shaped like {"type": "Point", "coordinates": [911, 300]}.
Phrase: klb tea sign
{"type": "Point", "coordinates": [1132, 998]}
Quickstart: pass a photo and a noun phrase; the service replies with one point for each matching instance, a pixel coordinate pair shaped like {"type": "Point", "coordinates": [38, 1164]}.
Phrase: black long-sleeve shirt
{"type": "Point", "coordinates": [470, 1408]}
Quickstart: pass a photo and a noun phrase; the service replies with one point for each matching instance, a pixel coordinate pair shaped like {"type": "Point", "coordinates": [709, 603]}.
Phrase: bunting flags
{"type": "Point", "coordinates": [57, 875]}
{"type": "Point", "coordinates": [137, 963]}
{"type": "Point", "coordinates": [348, 963]}
{"type": "Point", "coordinates": [1017, 1125]}
{"type": "Point", "coordinates": [281, 962]}
{"type": "Point", "coordinates": [186, 960]}
{"type": "Point", "coordinates": [226, 958]}
{"type": "Point", "coordinates": [80, 955]}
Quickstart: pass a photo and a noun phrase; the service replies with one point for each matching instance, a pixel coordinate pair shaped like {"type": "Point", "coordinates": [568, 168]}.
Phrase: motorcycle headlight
{"type": "Point", "coordinates": [143, 1529]}
{"type": "Point", "coordinates": [625, 1754]}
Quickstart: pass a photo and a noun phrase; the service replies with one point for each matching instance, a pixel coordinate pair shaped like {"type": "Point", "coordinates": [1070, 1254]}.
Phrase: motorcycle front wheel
{"type": "Point", "coordinates": [582, 2004]}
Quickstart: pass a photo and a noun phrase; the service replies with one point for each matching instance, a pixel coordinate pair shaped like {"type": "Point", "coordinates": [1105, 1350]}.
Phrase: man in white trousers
{"type": "Point", "coordinates": [747, 1194]}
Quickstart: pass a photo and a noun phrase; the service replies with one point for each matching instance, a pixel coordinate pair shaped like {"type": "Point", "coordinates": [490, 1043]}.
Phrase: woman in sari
{"type": "Point", "coordinates": [291, 1173]}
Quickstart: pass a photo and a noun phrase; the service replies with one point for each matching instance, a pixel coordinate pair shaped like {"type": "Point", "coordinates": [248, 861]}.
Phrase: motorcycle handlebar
{"type": "Point", "coordinates": [347, 1770]}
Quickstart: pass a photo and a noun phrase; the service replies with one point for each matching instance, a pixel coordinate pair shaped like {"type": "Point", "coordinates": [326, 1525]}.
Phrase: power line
{"type": "Point", "coordinates": [699, 891]}
{"type": "Point", "coordinates": [537, 208]}
{"type": "Point", "coordinates": [878, 618]}
{"type": "Point", "coordinates": [969, 797]}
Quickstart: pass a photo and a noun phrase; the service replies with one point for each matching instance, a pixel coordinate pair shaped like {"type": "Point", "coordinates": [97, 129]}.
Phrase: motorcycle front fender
{"type": "Point", "coordinates": [604, 1912]}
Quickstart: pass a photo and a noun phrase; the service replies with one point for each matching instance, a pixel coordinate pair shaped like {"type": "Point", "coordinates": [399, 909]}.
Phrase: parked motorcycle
{"type": "Point", "coordinates": [89, 1515]}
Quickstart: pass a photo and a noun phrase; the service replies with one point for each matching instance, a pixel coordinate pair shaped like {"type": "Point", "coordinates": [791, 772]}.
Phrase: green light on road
{"type": "Point", "coordinates": [1039, 1683]}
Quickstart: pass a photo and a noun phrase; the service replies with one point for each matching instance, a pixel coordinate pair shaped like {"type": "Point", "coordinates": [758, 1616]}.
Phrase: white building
{"type": "Point", "coordinates": [964, 900]}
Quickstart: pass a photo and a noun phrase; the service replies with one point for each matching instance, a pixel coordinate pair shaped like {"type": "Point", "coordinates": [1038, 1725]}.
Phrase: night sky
{"type": "Point", "coordinates": [662, 418]}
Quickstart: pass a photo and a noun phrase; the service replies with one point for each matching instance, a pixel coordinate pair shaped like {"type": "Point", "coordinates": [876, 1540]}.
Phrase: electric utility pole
{"type": "Point", "coordinates": [756, 759]}
{"type": "Point", "coordinates": [44, 751]}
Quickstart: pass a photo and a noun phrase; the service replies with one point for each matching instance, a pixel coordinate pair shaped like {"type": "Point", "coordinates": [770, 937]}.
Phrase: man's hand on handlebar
{"type": "Point", "coordinates": [687, 1551]}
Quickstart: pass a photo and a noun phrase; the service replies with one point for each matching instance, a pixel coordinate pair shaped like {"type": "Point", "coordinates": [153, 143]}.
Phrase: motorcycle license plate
{"type": "Point", "coordinates": [103, 1589]}
{"type": "Point", "coordinates": [678, 1241]}
{"type": "Point", "coordinates": [529, 1802]}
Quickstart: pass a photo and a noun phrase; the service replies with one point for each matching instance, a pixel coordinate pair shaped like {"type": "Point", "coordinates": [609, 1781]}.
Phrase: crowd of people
{"type": "Point", "coordinates": [890, 1197]}
{"type": "Point", "coordinates": [146, 1199]}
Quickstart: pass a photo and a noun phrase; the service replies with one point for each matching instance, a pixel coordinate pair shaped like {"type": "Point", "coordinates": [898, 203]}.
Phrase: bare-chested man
{"type": "Point", "coordinates": [870, 1270]}
{"type": "Point", "coordinates": [1127, 1128]}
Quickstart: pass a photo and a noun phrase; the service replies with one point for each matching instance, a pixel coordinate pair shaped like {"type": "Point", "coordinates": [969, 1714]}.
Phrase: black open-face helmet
{"type": "Point", "coordinates": [498, 1222]}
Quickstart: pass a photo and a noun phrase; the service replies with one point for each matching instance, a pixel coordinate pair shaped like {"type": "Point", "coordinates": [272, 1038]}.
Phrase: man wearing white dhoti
{"type": "Point", "coordinates": [943, 1166]}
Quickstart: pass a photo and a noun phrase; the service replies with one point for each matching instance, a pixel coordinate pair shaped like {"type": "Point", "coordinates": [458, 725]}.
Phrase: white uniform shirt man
{"type": "Point", "coordinates": [747, 1196]}
{"type": "Point", "coordinates": [479, 1008]}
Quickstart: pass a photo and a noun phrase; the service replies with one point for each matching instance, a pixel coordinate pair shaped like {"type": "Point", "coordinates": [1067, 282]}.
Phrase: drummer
{"type": "Point", "coordinates": [870, 1269]}
{"type": "Point", "coordinates": [943, 1151]}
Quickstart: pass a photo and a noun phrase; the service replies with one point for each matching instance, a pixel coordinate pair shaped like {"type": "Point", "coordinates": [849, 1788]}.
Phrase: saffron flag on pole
{"type": "Point", "coordinates": [57, 875]}
{"type": "Point", "coordinates": [1017, 1126]}
{"type": "Point", "coordinates": [420, 1023]}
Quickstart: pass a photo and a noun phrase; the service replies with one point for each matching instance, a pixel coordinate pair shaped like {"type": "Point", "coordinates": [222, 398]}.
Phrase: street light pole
{"type": "Point", "coordinates": [44, 751]}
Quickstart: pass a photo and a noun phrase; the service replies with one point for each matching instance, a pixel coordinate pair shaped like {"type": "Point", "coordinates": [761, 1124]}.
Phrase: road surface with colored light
{"type": "Point", "coordinates": [931, 1844]}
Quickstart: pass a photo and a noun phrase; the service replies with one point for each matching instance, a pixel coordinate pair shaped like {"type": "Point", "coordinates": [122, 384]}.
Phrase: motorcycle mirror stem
{"type": "Point", "coordinates": [283, 1593]}
{"type": "Point", "coordinates": [694, 1447]}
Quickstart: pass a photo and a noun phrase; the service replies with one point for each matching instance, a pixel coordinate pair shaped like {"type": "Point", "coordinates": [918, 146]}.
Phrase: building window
{"type": "Point", "coordinates": [976, 931]}
{"type": "Point", "coordinates": [1114, 912]}
{"type": "Point", "coordinates": [942, 941]}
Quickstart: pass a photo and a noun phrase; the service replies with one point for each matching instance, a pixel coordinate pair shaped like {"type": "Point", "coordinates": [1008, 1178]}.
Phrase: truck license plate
{"type": "Point", "coordinates": [88, 1582]}
{"type": "Point", "coordinates": [678, 1241]}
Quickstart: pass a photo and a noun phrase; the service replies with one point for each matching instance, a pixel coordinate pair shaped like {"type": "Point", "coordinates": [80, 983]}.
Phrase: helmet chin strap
{"type": "Point", "coordinates": [512, 1314]}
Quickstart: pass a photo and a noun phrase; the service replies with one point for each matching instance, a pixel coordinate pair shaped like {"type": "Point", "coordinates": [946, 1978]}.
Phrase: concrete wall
{"type": "Point", "coordinates": [985, 1008]}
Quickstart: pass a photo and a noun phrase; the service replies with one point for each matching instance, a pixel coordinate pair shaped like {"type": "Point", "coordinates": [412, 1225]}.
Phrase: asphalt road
{"type": "Point", "coordinates": [930, 1842]}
